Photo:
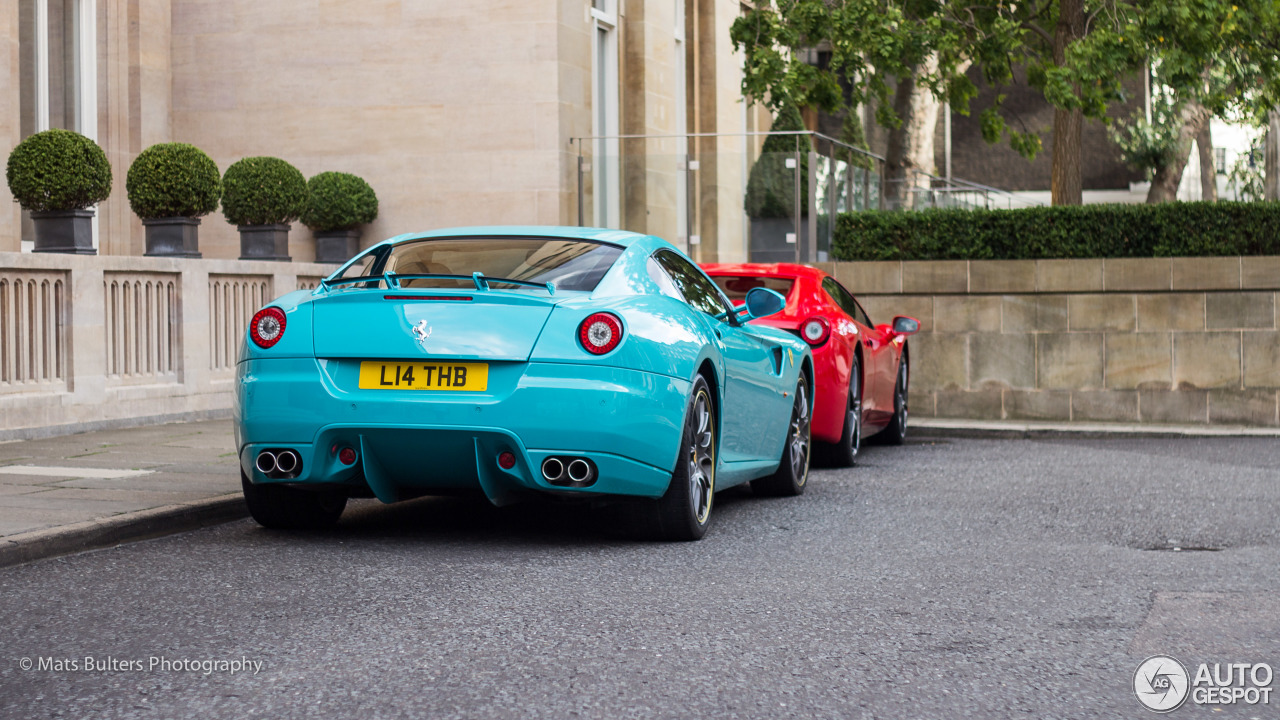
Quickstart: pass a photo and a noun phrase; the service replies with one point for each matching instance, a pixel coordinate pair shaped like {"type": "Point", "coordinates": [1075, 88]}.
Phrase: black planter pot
{"type": "Point", "coordinates": [173, 237]}
{"type": "Point", "coordinates": [264, 242]}
{"type": "Point", "coordinates": [64, 231]}
{"type": "Point", "coordinates": [337, 246]}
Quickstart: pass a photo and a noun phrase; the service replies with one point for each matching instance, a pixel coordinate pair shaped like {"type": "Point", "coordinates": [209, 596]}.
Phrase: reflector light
{"type": "Point", "coordinates": [506, 461]}
{"type": "Point", "coordinates": [600, 333]}
{"type": "Point", "coordinates": [267, 327]}
{"type": "Point", "coordinates": [347, 456]}
{"type": "Point", "coordinates": [815, 331]}
{"type": "Point", "coordinates": [459, 298]}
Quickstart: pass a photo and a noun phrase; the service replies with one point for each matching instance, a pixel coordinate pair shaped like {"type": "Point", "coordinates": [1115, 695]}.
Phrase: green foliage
{"type": "Point", "coordinates": [263, 191]}
{"type": "Point", "coordinates": [58, 170]}
{"type": "Point", "coordinates": [851, 133]}
{"type": "Point", "coordinates": [1247, 174]}
{"type": "Point", "coordinates": [173, 180]}
{"type": "Point", "coordinates": [771, 188]}
{"type": "Point", "coordinates": [1067, 231]}
{"type": "Point", "coordinates": [339, 201]}
{"type": "Point", "coordinates": [1147, 147]}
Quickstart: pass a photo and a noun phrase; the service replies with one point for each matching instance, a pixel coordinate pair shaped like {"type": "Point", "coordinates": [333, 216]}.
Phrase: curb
{"type": "Point", "coordinates": [1015, 430]}
{"type": "Point", "coordinates": [120, 529]}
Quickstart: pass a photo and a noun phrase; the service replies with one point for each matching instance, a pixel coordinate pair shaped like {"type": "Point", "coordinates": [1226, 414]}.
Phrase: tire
{"type": "Point", "coordinates": [684, 511]}
{"type": "Point", "coordinates": [793, 469]}
{"type": "Point", "coordinates": [286, 508]}
{"type": "Point", "coordinates": [845, 452]}
{"type": "Point", "coordinates": [895, 433]}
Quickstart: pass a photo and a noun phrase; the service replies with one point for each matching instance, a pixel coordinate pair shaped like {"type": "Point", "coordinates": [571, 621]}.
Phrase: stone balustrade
{"type": "Point", "coordinates": [99, 341]}
{"type": "Point", "coordinates": [1148, 340]}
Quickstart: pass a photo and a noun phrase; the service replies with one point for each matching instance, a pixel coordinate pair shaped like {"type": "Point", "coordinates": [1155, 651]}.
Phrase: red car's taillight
{"type": "Point", "coordinates": [267, 327]}
{"type": "Point", "coordinates": [815, 331]}
{"type": "Point", "coordinates": [600, 333]}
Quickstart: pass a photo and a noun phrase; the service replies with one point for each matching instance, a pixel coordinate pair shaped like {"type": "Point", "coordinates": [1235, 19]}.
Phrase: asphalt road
{"type": "Point", "coordinates": [949, 578]}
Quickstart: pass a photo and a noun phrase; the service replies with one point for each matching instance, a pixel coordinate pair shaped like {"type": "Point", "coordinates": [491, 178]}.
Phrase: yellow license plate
{"type": "Point", "coordinates": [467, 377]}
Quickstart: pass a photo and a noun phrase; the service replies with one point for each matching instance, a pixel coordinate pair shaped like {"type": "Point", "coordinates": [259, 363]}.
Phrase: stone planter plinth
{"type": "Point", "coordinates": [64, 231]}
{"type": "Point", "coordinates": [173, 237]}
{"type": "Point", "coordinates": [337, 246]}
{"type": "Point", "coordinates": [264, 242]}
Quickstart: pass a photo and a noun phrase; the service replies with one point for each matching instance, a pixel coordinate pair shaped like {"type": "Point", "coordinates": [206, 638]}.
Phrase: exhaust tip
{"type": "Point", "coordinates": [552, 469]}
{"type": "Point", "coordinates": [287, 461]}
{"type": "Point", "coordinates": [579, 470]}
{"type": "Point", "coordinates": [266, 462]}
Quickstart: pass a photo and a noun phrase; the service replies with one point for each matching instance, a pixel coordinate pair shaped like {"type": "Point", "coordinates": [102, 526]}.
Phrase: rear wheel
{"type": "Point", "coordinates": [286, 508]}
{"type": "Point", "coordinates": [684, 512]}
{"type": "Point", "coordinates": [895, 433]}
{"type": "Point", "coordinates": [845, 452]}
{"type": "Point", "coordinates": [793, 469]}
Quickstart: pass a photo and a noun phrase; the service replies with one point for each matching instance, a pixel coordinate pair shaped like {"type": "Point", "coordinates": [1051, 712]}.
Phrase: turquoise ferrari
{"type": "Point", "coordinates": [513, 361]}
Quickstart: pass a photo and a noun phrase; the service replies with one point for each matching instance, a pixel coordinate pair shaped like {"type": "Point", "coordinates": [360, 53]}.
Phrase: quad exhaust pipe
{"type": "Point", "coordinates": [278, 463]}
{"type": "Point", "coordinates": [266, 463]}
{"type": "Point", "coordinates": [568, 471]}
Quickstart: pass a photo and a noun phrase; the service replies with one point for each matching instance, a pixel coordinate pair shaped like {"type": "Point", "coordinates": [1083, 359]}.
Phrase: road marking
{"type": "Point", "coordinates": [70, 472]}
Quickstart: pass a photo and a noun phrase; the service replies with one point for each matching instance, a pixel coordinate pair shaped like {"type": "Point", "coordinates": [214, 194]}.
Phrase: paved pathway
{"type": "Point", "coordinates": [71, 480]}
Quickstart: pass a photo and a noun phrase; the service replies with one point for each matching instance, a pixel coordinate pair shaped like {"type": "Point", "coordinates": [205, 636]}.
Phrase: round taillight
{"type": "Point", "coordinates": [815, 331]}
{"type": "Point", "coordinates": [506, 460]}
{"type": "Point", "coordinates": [347, 456]}
{"type": "Point", "coordinates": [600, 333]}
{"type": "Point", "coordinates": [267, 327]}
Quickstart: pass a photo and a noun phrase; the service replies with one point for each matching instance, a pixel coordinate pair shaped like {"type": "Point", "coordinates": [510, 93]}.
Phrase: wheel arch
{"type": "Point", "coordinates": [707, 370]}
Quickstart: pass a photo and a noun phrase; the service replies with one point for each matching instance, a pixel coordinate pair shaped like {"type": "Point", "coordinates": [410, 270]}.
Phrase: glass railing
{"type": "Point", "coordinates": [720, 197]}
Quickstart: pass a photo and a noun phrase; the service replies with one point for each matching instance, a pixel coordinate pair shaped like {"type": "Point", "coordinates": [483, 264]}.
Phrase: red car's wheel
{"type": "Point", "coordinates": [895, 433]}
{"type": "Point", "coordinates": [845, 452]}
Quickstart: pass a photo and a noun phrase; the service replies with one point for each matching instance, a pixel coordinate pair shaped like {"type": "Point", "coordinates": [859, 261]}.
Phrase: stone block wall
{"type": "Point", "coordinates": [1150, 340]}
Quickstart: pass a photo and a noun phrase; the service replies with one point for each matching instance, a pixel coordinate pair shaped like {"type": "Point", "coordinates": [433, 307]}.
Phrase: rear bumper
{"type": "Point", "coordinates": [413, 442]}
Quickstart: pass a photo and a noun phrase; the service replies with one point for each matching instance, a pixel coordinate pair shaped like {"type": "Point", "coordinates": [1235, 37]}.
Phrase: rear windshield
{"type": "Point", "coordinates": [736, 286]}
{"type": "Point", "coordinates": [570, 264]}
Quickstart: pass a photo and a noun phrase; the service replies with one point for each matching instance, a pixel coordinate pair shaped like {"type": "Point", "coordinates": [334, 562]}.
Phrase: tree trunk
{"type": "Point", "coordinates": [1065, 184]}
{"type": "Point", "coordinates": [1164, 186]}
{"type": "Point", "coordinates": [910, 154]}
{"type": "Point", "coordinates": [1271, 181]}
{"type": "Point", "coordinates": [1208, 173]}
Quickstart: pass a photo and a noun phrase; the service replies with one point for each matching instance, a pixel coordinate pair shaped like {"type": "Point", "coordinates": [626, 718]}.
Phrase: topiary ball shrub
{"type": "Point", "coordinates": [58, 170]}
{"type": "Point", "coordinates": [339, 201]}
{"type": "Point", "coordinates": [263, 191]}
{"type": "Point", "coordinates": [171, 180]}
{"type": "Point", "coordinates": [771, 187]}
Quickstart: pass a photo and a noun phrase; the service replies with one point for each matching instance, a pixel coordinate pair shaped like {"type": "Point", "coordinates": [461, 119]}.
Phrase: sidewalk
{"type": "Point", "coordinates": [71, 493]}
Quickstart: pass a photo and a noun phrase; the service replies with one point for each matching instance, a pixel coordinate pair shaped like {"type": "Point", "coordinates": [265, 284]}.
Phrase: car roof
{"type": "Point", "coordinates": [616, 237]}
{"type": "Point", "coordinates": [792, 270]}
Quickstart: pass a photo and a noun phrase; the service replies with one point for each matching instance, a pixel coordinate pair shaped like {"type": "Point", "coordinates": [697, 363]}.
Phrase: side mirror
{"type": "Point", "coordinates": [903, 325]}
{"type": "Point", "coordinates": [762, 302]}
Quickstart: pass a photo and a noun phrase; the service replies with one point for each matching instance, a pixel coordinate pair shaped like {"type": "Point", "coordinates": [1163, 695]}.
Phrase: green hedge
{"type": "Point", "coordinates": [339, 201]}
{"type": "Point", "coordinates": [173, 180]}
{"type": "Point", "coordinates": [1078, 231]}
{"type": "Point", "coordinates": [263, 191]}
{"type": "Point", "coordinates": [58, 170]}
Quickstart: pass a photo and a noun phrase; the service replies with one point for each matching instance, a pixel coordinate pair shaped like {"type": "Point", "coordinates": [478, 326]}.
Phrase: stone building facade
{"type": "Point", "coordinates": [457, 113]}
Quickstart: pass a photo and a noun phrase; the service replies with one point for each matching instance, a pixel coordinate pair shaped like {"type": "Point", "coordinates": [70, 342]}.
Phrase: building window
{"type": "Point", "coordinates": [57, 67]}
{"type": "Point", "coordinates": [604, 101]}
{"type": "Point", "coordinates": [1220, 160]}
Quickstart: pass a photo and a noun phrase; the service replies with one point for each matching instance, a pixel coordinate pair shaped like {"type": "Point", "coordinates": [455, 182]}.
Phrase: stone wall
{"type": "Point", "coordinates": [100, 341]}
{"type": "Point", "coordinates": [1181, 340]}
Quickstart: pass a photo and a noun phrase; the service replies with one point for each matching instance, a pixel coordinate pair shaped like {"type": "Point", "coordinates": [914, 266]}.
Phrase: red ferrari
{"type": "Point", "coordinates": [861, 368]}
